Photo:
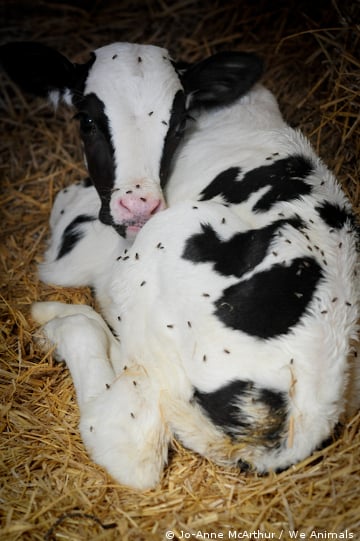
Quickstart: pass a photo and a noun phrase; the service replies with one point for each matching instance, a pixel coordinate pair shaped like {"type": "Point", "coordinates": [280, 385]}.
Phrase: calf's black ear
{"type": "Point", "coordinates": [36, 68]}
{"type": "Point", "coordinates": [220, 79]}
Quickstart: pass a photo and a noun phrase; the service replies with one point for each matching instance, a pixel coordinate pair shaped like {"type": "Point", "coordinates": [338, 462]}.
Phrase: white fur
{"type": "Point", "coordinates": [154, 300]}
{"type": "Point", "coordinates": [121, 424]}
{"type": "Point", "coordinates": [99, 245]}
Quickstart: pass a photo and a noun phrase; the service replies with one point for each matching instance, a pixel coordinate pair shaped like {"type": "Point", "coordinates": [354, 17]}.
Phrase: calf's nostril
{"type": "Point", "coordinates": [156, 208]}
{"type": "Point", "coordinates": [125, 204]}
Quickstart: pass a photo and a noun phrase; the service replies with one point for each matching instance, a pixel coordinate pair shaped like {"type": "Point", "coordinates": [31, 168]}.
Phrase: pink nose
{"type": "Point", "coordinates": [140, 206]}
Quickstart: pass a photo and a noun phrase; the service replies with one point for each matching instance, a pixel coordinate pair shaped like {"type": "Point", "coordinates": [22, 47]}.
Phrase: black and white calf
{"type": "Point", "coordinates": [234, 308]}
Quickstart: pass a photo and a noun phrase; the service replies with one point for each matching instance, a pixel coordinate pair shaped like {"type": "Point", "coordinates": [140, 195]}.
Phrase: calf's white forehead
{"type": "Point", "coordinates": [138, 75]}
{"type": "Point", "coordinates": [137, 85]}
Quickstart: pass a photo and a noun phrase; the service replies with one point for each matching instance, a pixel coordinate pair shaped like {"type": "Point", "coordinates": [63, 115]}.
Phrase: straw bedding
{"type": "Point", "coordinates": [49, 488]}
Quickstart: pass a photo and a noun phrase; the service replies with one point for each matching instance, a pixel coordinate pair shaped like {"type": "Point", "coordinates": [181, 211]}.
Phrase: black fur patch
{"type": "Point", "coordinates": [271, 302]}
{"type": "Point", "coordinates": [174, 135]}
{"type": "Point", "coordinates": [39, 69]}
{"type": "Point", "coordinates": [72, 234]}
{"type": "Point", "coordinates": [99, 150]}
{"type": "Point", "coordinates": [285, 179]}
{"type": "Point", "coordinates": [238, 255]}
{"type": "Point", "coordinates": [224, 184]}
{"type": "Point", "coordinates": [334, 215]}
{"type": "Point", "coordinates": [219, 79]}
{"type": "Point", "coordinates": [242, 410]}
{"type": "Point", "coordinates": [87, 182]}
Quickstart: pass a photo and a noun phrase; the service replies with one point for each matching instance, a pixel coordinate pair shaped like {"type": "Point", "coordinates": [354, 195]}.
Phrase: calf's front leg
{"type": "Point", "coordinates": [121, 421]}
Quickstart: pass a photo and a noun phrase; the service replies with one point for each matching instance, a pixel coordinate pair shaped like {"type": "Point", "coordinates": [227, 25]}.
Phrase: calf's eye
{"type": "Point", "coordinates": [87, 124]}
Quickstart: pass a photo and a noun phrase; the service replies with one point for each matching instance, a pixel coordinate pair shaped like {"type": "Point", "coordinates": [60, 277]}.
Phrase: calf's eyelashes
{"type": "Point", "coordinates": [87, 124]}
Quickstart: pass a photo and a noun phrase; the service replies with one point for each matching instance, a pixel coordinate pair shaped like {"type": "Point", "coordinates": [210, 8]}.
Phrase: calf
{"type": "Point", "coordinates": [234, 308]}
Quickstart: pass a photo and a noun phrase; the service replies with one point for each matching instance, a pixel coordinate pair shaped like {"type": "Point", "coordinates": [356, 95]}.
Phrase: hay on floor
{"type": "Point", "coordinates": [49, 488]}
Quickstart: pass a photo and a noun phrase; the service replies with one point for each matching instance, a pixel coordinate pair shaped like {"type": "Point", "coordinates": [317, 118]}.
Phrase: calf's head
{"type": "Point", "coordinates": [131, 102]}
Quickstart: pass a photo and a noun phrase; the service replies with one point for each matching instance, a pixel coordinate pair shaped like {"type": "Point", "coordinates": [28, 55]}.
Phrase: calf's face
{"type": "Point", "coordinates": [131, 103]}
{"type": "Point", "coordinates": [131, 114]}
{"type": "Point", "coordinates": [131, 109]}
